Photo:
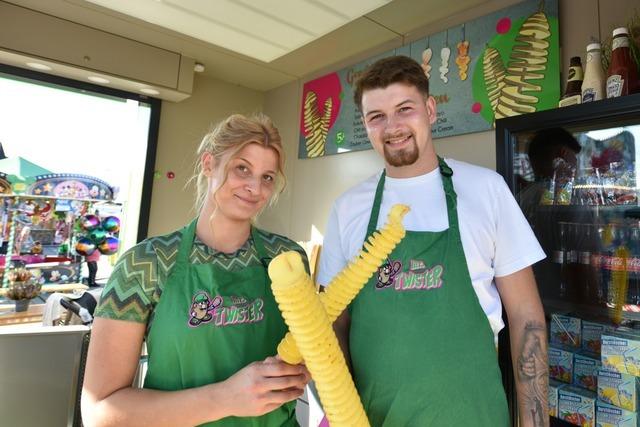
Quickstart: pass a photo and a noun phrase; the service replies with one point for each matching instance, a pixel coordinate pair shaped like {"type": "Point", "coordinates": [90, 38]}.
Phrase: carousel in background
{"type": "Point", "coordinates": [50, 223]}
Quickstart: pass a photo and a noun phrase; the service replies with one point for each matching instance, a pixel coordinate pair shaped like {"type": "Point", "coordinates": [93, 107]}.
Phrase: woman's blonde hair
{"type": "Point", "coordinates": [224, 143]}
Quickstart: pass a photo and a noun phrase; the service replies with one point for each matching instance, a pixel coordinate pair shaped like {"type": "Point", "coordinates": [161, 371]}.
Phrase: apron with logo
{"type": "Point", "coordinates": [210, 323]}
{"type": "Point", "coordinates": [422, 349]}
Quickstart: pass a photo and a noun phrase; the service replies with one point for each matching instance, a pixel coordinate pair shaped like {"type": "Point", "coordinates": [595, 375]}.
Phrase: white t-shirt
{"type": "Point", "coordinates": [496, 238]}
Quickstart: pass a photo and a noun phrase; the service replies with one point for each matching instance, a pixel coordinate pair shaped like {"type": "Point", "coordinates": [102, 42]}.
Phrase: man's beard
{"type": "Point", "coordinates": [404, 157]}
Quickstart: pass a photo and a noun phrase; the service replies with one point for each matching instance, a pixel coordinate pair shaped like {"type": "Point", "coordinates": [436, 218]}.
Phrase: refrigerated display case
{"type": "Point", "coordinates": [574, 172]}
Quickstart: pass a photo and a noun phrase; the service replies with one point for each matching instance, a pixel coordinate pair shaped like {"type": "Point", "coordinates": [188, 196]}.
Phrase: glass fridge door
{"type": "Point", "coordinates": [577, 186]}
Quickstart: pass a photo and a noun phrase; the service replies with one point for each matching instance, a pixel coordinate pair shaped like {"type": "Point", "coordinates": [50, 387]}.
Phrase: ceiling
{"type": "Point", "coordinates": [391, 23]}
{"type": "Point", "coordinates": [263, 30]}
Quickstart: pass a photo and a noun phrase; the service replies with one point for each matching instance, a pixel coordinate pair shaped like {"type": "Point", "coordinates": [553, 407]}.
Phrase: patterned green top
{"type": "Point", "coordinates": [136, 283]}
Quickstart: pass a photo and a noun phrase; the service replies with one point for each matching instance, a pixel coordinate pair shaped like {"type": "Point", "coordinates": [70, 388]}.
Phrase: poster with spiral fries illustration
{"type": "Point", "coordinates": [499, 65]}
{"type": "Point", "coordinates": [320, 108]}
{"type": "Point", "coordinates": [519, 68]}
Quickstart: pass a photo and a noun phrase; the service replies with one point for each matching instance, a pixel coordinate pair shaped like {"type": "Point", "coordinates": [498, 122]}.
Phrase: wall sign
{"type": "Point", "coordinates": [499, 65]}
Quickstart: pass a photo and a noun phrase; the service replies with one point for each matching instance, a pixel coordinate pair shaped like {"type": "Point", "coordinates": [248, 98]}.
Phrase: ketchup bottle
{"type": "Point", "coordinates": [622, 76]}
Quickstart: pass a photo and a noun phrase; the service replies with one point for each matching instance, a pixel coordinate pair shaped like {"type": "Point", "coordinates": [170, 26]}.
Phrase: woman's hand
{"type": "Point", "coordinates": [263, 386]}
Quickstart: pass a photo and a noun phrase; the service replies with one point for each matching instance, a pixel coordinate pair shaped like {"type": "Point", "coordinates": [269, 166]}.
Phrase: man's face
{"type": "Point", "coordinates": [398, 121]}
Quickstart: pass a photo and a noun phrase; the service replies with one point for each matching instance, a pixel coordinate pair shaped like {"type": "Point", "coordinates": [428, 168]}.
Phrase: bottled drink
{"type": "Point", "coordinates": [597, 262]}
{"type": "Point", "coordinates": [622, 76]}
{"type": "Point", "coordinates": [574, 284]}
{"type": "Point", "coordinates": [633, 265]}
{"type": "Point", "coordinates": [560, 257]}
{"type": "Point", "coordinates": [593, 82]}
{"type": "Point", "coordinates": [607, 264]}
{"type": "Point", "coordinates": [585, 242]}
{"type": "Point", "coordinates": [573, 92]}
{"type": "Point", "coordinates": [616, 265]}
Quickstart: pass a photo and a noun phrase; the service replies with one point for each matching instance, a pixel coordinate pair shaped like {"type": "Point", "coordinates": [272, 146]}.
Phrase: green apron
{"type": "Point", "coordinates": [422, 349]}
{"type": "Point", "coordinates": [210, 323]}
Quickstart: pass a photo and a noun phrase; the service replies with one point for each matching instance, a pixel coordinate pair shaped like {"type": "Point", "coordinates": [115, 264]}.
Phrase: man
{"type": "Point", "coordinates": [422, 348]}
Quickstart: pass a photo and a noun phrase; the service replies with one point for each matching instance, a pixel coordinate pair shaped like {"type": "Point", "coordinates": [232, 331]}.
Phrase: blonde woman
{"type": "Point", "coordinates": [200, 298]}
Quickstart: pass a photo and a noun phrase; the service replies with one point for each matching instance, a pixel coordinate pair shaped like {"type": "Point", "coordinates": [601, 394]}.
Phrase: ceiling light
{"type": "Point", "coordinates": [198, 67]}
{"type": "Point", "coordinates": [38, 66]}
{"type": "Point", "coordinates": [97, 79]}
{"type": "Point", "coordinates": [149, 91]}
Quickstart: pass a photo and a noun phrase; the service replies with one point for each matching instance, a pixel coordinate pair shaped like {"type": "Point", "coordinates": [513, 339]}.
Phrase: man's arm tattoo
{"type": "Point", "coordinates": [532, 373]}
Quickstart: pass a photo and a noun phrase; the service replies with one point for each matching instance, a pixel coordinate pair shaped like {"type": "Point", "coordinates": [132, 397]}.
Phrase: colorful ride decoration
{"type": "Point", "coordinates": [99, 235]}
{"type": "Point", "coordinates": [72, 186]}
{"type": "Point", "coordinates": [41, 208]}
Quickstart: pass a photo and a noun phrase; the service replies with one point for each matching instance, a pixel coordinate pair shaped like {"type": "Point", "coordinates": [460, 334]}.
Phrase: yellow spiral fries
{"type": "Point", "coordinates": [345, 285]}
{"type": "Point", "coordinates": [316, 126]}
{"type": "Point", "coordinates": [308, 322]}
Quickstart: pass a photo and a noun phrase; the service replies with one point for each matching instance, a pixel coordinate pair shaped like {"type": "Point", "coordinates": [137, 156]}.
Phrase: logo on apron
{"type": "Point", "coordinates": [387, 273]}
{"type": "Point", "coordinates": [417, 277]}
{"type": "Point", "coordinates": [205, 309]}
{"type": "Point", "coordinates": [202, 308]}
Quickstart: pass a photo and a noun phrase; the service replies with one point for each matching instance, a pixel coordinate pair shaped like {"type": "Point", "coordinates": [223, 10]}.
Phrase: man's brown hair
{"type": "Point", "coordinates": [386, 71]}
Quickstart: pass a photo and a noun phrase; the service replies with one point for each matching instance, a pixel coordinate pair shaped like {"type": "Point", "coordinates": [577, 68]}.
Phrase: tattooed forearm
{"type": "Point", "coordinates": [532, 373]}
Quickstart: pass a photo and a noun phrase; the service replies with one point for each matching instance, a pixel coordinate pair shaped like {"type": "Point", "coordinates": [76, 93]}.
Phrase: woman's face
{"type": "Point", "coordinates": [250, 183]}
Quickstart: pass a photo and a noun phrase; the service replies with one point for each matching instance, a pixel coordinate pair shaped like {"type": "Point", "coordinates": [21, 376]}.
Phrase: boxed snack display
{"type": "Point", "coordinates": [612, 416]}
{"type": "Point", "coordinates": [591, 339]}
{"type": "Point", "coordinates": [621, 352]}
{"type": "Point", "coordinates": [585, 370]}
{"type": "Point", "coordinates": [560, 364]}
{"type": "Point", "coordinates": [577, 406]}
{"type": "Point", "coordinates": [565, 330]}
{"type": "Point", "coordinates": [618, 389]}
{"type": "Point", "coordinates": [554, 386]}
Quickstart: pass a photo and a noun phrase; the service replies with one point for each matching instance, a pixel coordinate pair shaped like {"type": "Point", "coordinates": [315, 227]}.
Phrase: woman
{"type": "Point", "coordinates": [201, 299]}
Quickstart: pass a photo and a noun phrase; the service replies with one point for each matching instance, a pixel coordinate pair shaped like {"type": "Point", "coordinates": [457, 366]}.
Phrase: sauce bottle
{"type": "Point", "coordinates": [622, 76]}
{"type": "Point", "coordinates": [593, 83]}
{"type": "Point", "coordinates": [573, 92]}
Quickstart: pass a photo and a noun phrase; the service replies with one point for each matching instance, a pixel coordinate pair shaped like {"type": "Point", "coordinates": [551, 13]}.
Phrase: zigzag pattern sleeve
{"type": "Point", "coordinates": [131, 292]}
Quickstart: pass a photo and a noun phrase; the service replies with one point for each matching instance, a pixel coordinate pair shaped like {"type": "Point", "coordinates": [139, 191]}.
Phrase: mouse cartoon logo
{"type": "Point", "coordinates": [387, 273]}
{"type": "Point", "coordinates": [202, 307]}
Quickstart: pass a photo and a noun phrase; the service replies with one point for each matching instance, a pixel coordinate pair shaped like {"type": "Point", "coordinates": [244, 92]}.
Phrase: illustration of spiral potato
{"type": "Point", "coordinates": [527, 61]}
{"type": "Point", "coordinates": [445, 53]}
{"type": "Point", "coordinates": [494, 72]}
{"type": "Point", "coordinates": [463, 59]}
{"type": "Point", "coordinates": [311, 329]}
{"type": "Point", "coordinates": [316, 127]}
{"type": "Point", "coordinates": [426, 58]}
{"type": "Point", "coordinates": [347, 284]}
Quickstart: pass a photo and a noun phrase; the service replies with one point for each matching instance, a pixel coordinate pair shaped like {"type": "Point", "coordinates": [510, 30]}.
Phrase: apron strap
{"type": "Point", "coordinates": [260, 249]}
{"type": "Point", "coordinates": [186, 242]}
{"type": "Point", "coordinates": [375, 211]}
{"type": "Point", "coordinates": [450, 194]}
